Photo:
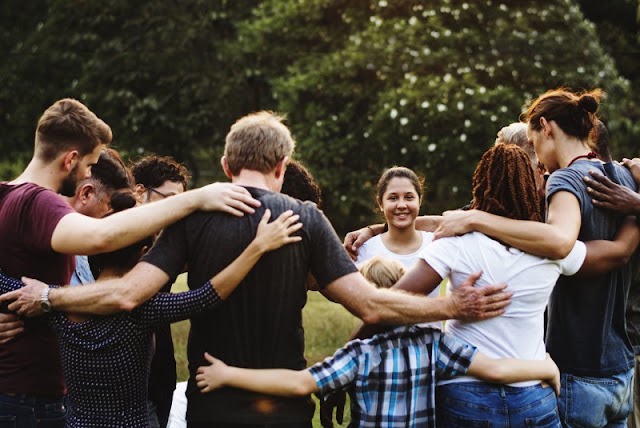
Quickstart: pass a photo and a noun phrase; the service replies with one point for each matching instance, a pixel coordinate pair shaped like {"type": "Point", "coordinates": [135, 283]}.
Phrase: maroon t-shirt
{"type": "Point", "coordinates": [30, 364]}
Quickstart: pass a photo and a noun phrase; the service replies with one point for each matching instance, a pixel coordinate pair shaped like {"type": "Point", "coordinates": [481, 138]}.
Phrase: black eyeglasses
{"type": "Point", "coordinates": [154, 190]}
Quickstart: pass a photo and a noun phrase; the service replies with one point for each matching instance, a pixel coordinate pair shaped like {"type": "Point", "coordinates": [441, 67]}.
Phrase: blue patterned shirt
{"type": "Point", "coordinates": [392, 376]}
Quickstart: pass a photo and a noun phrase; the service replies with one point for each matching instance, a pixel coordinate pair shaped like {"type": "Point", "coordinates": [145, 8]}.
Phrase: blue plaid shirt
{"type": "Point", "coordinates": [392, 376]}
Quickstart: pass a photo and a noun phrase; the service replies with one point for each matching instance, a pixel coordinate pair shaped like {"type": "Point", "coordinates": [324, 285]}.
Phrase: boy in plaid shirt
{"type": "Point", "coordinates": [390, 377]}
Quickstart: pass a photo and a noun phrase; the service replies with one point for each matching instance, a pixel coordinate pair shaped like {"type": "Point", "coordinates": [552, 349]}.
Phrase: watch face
{"type": "Point", "coordinates": [45, 306]}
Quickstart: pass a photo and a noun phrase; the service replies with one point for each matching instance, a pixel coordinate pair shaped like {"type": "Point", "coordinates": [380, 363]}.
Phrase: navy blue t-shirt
{"type": "Point", "coordinates": [586, 333]}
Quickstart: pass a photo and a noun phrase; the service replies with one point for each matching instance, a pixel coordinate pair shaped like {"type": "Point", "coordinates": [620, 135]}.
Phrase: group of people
{"type": "Point", "coordinates": [550, 227]}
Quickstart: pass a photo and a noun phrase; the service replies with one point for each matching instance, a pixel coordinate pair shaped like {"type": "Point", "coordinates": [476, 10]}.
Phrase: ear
{"type": "Point", "coordinates": [70, 159]}
{"type": "Point", "coordinates": [546, 127]}
{"type": "Point", "coordinates": [85, 192]}
{"type": "Point", "coordinates": [281, 167]}
{"type": "Point", "coordinates": [379, 202]}
{"type": "Point", "coordinates": [225, 167]}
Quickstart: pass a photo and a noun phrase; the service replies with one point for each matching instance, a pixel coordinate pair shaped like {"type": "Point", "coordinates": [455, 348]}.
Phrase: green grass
{"type": "Point", "coordinates": [327, 327]}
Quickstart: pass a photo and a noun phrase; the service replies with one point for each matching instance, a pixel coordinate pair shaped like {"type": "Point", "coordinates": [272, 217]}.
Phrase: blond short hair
{"type": "Point", "coordinates": [382, 272]}
{"type": "Point", "coordinates": [257, 142]}
{"type": "Point", "coordinates": [69, 125]}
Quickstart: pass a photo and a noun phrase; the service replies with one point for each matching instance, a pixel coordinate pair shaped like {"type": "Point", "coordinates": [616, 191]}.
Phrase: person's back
{"type": "Point", "coordinates": [586, 332]}
{"type": "Point", "coordinates": [260, 325]}
{"type": "Point", "coordinates": [519, 332]}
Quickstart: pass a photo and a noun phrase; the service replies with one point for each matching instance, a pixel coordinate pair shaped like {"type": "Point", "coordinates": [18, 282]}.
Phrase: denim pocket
{"type": "Point", "coordinates": [550, 420]}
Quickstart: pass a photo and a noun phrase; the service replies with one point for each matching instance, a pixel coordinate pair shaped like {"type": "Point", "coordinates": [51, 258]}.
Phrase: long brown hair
{"type": "Point", "coordinates": [504, 184]}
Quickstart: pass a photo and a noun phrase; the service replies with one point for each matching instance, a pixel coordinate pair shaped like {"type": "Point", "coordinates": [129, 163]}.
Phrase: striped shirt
{"type": "Point", "coordinates": [392, 376]}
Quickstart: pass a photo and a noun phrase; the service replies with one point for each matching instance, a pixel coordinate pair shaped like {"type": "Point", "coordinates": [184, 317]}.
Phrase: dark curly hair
{"type": "Point", "coordinates": [300, 184]}
{"type": "Point", "coordinates": [504, 184]}
{"type": "Point", "coordinates": [153, 171]}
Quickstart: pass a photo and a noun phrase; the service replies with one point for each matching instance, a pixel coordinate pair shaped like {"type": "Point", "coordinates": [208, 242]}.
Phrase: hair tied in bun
{"type": "Point", "coordinates": [588, 103]}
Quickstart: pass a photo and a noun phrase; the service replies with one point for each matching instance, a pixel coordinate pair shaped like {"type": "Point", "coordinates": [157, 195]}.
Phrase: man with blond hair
{"type": "Point", "coordinates": [39, 234]}
{"type": "Point", "coordinates": [260, 324]}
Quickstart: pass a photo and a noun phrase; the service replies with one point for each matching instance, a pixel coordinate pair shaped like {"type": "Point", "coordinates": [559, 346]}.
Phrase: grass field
{"type": "Point", "coordinates": [327, 327]}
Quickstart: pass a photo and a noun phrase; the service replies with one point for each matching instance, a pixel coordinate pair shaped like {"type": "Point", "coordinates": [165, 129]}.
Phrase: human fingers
{"type": "Point", "coordinates": [10, 296]}
{"type": "Point", "coordinates": [9, 334]}
{"type": "Point", "coordinates": [493, 288]}
{"type": "Point", "coordinates": [244, 195]}
{"type": "Point", "coordinates": [265, 217]}
{"type": "Point", "coordinates": [209, 358]}
{"type": "Point", "coordinates": [471, 279]}
{"type": "Point", "coordinates": [602, 179]}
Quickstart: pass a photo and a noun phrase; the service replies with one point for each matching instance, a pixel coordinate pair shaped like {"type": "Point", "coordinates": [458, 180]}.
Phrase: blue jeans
{"type": "Point", "coordinates": [595, 402]}
{"type": "Point", "coordinates": [28, 411]}
{"type": "Point", "coordinates": [479, 404]}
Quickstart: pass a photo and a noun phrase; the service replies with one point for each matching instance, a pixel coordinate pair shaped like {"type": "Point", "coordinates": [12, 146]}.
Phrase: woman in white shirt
{"type": "Point", "coordinates": [399, 194]}
{"type": "Point", "coordinates": [504, 184]}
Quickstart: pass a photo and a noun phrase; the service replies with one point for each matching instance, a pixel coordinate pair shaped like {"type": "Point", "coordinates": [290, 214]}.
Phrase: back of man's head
{"type": "Point", "coordinates": [153, 171]}
{"type": "Point", "coordinates": [110, 172]}
{"type": "Point", "coordinates": [257, 142]}
{"type": "Point", "coordinates": [69, 125]}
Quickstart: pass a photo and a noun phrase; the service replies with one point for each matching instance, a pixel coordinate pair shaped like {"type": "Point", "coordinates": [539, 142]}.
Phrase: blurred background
{"type": "Point", "coordinates": [365, 84]}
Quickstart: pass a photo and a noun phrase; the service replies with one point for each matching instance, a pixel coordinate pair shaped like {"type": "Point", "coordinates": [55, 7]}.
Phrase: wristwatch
{"type": "Point", "coordinates": [44, 300]}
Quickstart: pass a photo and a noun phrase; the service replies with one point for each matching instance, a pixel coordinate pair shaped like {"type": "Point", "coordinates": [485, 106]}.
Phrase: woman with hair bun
{"type": "Point", "coordinates": [586, 333]}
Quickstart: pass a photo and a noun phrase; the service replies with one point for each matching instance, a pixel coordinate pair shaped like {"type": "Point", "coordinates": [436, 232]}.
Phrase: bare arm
{"type": "Point", "coordinates": [428, 223]}
{"type": "Point", "coordinates": [385, 306]}
{"type": "Point", "coordinates": [604, 256]}
{"type": "Point", "coordinates": [283, 382]}
{"type": "Point", "coordinates": [145, 280]}
{"type": "Point", "coordinates": [78, 234]}
{"type": "Point", "coordinates": [507, 370]}
{"type": "Point", "coordinates": [553, 239]}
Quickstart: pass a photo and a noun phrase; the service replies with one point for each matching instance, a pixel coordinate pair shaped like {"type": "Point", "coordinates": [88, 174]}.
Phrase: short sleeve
{"type": "Point", "coordinates": [568, 180]}
{"type": "Point", "coordinates": [336, 372]}
{"type": "Point", "coordinates": [169, 252]}
{"type": "Point", "coordinates": [453, 357]}
{"type": "Point", "coordinates": [441, 255]}
{"type": "Point", "coordinates": [46, 209]}
{"type": "Point", "coordinates": [573, 262]}
{"type": "Point", "coordinates": [329, 260]}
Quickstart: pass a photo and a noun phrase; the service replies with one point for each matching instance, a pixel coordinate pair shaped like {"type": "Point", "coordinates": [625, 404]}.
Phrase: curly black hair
{"type": "Point", "coordinates": [153, 171]}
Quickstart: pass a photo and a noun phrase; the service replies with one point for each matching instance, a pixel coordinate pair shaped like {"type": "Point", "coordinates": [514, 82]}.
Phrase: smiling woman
{"type": "Point", "coordinates": [399, 195]}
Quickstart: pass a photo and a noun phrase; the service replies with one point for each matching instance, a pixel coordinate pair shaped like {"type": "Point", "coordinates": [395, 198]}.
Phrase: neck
{"type": "Point", "coordinates": [256, 179]}
{"type": "Point", "coordinates": [570, 150]}
{"type": "Point", "coordinates": [44, 175]}
{"type": "Point", "coordinates": [403, 236]}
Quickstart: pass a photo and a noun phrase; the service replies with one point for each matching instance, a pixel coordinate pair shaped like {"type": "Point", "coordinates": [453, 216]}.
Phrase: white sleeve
{"type": "Point", "coordinates": [441, 255]}
{"type": "Point", "coordinates": [363, 254]}
{"type": "Point", "coordinates": [573, 262]}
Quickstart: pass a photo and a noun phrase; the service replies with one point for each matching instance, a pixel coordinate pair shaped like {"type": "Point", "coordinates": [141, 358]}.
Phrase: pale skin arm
{"type": "Point", "coordinates": [281, 382]}
{"type": "Point", "coordinates": [354, 240]}
{"type": "Point", "coordinates": [553, 239]}
{"type": "Point", "coordinates": [507, 370]}
{"type": "Point", "coordinates": [145, 280]}
{"type": "Point", "coordinates": [386, 306]}
{"type": "Point", "coordinates": [78, 234]}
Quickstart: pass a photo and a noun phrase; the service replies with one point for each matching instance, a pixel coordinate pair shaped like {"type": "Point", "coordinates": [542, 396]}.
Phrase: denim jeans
{"type": "Point", "coordinates": [595, 402]}
{"type": "Point", "coordinates": [28, 411]}
{"type": "Point", "coordinates": [479, 404]}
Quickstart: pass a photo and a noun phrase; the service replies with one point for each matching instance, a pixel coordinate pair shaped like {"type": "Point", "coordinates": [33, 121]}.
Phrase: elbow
{"type": "Point", "coordinates": [371, 317]}
{"type": "Point", "coordinates": [561, 248]}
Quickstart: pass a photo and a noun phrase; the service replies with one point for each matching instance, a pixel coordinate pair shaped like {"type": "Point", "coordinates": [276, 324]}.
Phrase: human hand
{"type": "Point", "coordinates": [454, 223]}
{"type": "Point", "coordinates": [354, 240]}
{"type": "Point", "coordinates": [211, 377]}
{"type": "Point", "coordinates": [335, 400]}
{"type": "Point", "coordinates": [554, 378]}
{"type": "Point", "coordinates": [634, 166]}
{"type": "Point", "coordinates": [271, 236]}
{"type": "Point", "coordinates": [226, 197]}
{"type": "Point", "coordinates": [609, 195]}
{"type": "Point", "coordinates": [26, 300]}
{"type": "Point", "coordinates": [474, 304]}
{"type": "Point", "coordinates": [10, 327]}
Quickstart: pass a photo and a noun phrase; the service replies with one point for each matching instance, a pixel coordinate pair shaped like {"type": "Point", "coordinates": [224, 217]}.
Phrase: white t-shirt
{"type": "Point", "coordinates": [518, 333]}
{"type": "Point", "coordinates": [375, 247]}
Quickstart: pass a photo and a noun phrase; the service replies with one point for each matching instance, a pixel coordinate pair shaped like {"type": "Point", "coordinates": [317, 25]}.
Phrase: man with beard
{"type": "Point", "coordinates": [39, 233]}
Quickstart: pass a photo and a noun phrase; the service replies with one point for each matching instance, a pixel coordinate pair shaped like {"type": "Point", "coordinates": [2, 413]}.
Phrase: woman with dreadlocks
{"type": "Point", "coordinates": [504, 185]}
{"type": "Point", "coordinates": [586, 332]}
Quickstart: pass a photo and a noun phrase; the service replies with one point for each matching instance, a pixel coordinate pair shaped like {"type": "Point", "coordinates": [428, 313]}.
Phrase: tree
{"type": "Point", "coordinates": [371, 84]}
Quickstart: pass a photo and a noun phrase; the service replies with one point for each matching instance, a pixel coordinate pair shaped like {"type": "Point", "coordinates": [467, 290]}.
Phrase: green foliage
{"type": "Point", "coordinates": [371, 84]}
{"type": "Point", "coordinates": [366, 84]}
